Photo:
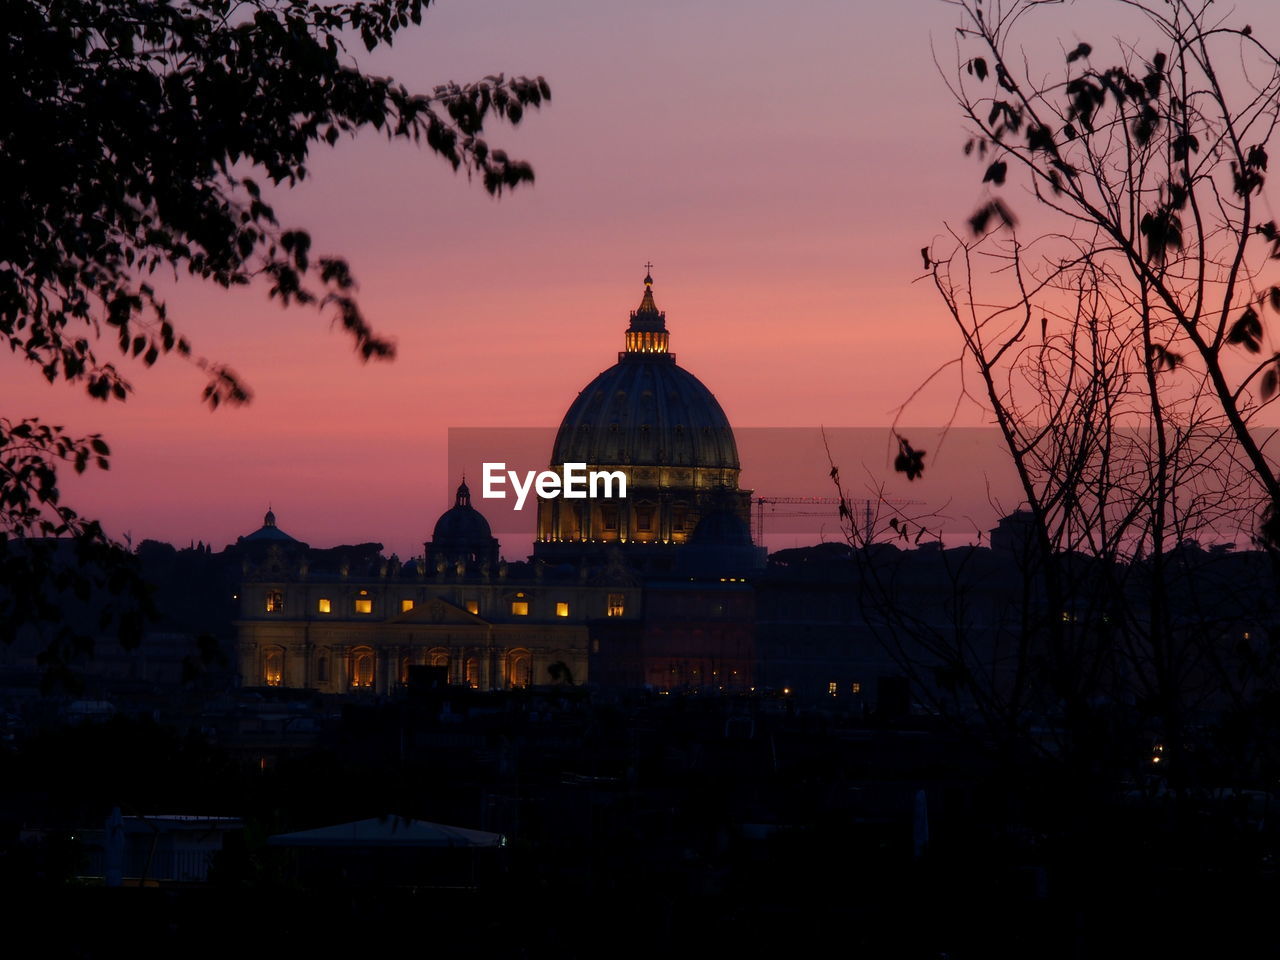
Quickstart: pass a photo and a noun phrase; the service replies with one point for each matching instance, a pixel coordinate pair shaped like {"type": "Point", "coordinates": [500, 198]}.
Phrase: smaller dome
{"type": "Point", "coordinates": [268, 532]}
{"type": "Point", "coordinates": [462, 522]}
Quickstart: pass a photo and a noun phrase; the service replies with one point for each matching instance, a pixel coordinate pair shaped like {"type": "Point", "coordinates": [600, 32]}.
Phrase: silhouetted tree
{"type": "Point", "coordinates": [1112, 294]}
{"type": "Point", "coordinates": [139, 136]}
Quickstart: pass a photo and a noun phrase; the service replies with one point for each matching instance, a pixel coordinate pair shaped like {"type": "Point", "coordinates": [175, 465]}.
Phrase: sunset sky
{"type": "Point", "coordinates": [780, 164]}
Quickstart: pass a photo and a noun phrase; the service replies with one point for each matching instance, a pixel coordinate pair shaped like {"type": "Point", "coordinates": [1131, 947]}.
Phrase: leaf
{"type": "Point", "coordinates": [996, 173]}
{"type": "Point", "coordinates": [1161, 358]}
{"type": "Point", "coordinates": [978, 67]}
{"type": "Point", "coordinates": [909, 460]}
{"type": "Point", "coordinates": [1040, 138]}
{"type": "Point", "coordinates": [1163, 230]}
{"type": "Point", "coordinates": [1145, 124]}
{"type": "Point", "coordinates": [1270, 378]}
{"type": "Point", "coordinates": [1268, 386]}
{"type": "Point", "coordinates": [1184, 144]}
{"type": "Point", "coordinates": [1247, 331]}
{"type": "Point", "coordinates": [983, 216]}
{"type": "Point", "coordinates": [1081, 50]}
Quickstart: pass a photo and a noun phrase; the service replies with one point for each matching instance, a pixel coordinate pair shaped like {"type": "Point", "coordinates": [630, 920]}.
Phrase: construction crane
{"type": "Point", "coordinates": [867, 505]}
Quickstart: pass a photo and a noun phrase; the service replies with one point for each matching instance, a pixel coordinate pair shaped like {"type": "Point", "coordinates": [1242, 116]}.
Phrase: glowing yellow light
{"type": "Point", "coordinates": [324, 606]}
{"type": "Point", "coordinates": [364, 606]}
{"type": "Point", "coordinates": [473, 606]}
{"type": "Point", "coordinates": [519, 608]}
{"type": "Point", "coordinates": [406, 606]}
{"type": "Point", "coordinates": [562, 609]}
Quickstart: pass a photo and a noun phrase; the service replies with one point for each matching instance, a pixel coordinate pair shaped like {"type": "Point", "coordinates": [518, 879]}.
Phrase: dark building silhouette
{"type": "Point", "coordinates": [462, 537]}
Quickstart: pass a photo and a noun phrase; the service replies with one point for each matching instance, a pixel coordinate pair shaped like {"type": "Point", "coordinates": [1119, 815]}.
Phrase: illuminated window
{"type": "Point", "coordinates": [831, 688]}
{"type": "Point", "coordinates": [855, 687]}
{"type": "Point", "coordinates": [473, 673]}
{"type": "Point", "coordinates": [473, 606]}
{"type": "Point", "coordinates": [362, 668]}
{"type": "Point", "coordinates": [562, 609]}
{"type": "Point", "coordinates": [609, 517]}
{"type": "Point", "coordinates": [273, 668]}
{"type": "Point", "coordinates": [405, 663]}
{"type": "Point", "coordinates": [325, 606]}
{"type": "Point", "coordinates": [617, 604]}
{"type": "Point", "coordinates": [275, 601]}
{"type": "Point", "coordinates": [406, 606]}
{"type": "Point", "coordinates": [520, 606]}
{"type": "Point", "coordinates": [364, 606]}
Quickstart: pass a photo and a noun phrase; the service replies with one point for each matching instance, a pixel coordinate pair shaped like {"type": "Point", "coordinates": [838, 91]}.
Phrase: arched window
{"type": "Point", "coordinates": [473, 673]}
{"type": "Point", "coordinates": [322, 669]}
{"type": "Point", "coordinates": [273, 667]}
{"type": "Point", "coordinates": [405, 662]}
{"type": "Point", "coordinates": [439, 657]}
{"type": "Point", "coordinates": [519, 668]}
{"type": "Point", "coordinates": [362, 668]}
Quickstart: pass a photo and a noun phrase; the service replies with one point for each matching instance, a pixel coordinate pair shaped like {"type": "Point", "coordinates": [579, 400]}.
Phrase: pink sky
{"type": "Point", "coordinates": [781, 165]}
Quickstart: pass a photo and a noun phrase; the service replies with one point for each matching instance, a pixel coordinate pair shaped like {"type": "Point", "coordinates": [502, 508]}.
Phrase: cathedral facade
{"type": "Point", "coordinates": [350, 621]}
